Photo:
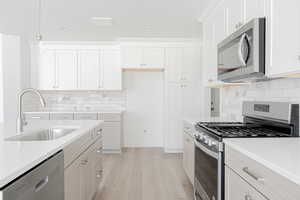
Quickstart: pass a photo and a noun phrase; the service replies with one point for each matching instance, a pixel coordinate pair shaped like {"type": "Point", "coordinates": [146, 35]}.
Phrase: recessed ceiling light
{"type": "Point", "coordinates": [102, 21]}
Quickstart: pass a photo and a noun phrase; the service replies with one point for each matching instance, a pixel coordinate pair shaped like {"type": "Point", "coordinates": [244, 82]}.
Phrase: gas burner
{"type": "Point", "coordinates": [239, 129]}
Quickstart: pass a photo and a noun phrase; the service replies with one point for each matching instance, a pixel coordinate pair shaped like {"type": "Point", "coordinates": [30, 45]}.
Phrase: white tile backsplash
{"type": "Point", "coordinates": [71, 100]}
{"type": "Point", "coordinates": [275, 90]}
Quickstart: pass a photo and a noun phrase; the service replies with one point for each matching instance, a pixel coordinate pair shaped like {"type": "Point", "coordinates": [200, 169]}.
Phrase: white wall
{"type": "Point", "coordinates": [276, 90]}
{"type": "Point", "coordinates": [10, 80]}
{"type": "Point", "coordinates": [143, 119]}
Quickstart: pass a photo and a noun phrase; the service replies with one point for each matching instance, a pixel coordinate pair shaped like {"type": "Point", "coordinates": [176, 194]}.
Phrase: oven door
{"type": "Point", "coordinates": [207, 173]}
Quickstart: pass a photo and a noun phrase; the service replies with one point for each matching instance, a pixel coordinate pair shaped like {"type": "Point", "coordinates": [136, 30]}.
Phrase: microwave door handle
{"type": "Point", "coordinates": [240, 49]}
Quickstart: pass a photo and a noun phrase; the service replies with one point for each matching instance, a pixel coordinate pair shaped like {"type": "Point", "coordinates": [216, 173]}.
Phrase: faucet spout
{"type": "Point", "coordinates": [20, 119]}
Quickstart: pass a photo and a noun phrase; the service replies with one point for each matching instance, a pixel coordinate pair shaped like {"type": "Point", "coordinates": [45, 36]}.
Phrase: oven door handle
{"type": "Point", "coordinates": [205, 150]}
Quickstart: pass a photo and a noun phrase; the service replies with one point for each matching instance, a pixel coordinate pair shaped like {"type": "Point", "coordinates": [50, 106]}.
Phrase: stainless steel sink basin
{"type": "Point", "coordinates": [43, 135]}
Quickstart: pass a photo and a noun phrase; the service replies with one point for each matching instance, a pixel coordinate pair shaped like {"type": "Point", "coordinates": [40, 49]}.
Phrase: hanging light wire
{"type": "Point", "coordinates": [39, 13]}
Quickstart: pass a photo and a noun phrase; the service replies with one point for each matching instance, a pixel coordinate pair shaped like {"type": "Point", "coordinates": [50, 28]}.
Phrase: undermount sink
{"type": "Point", "coordinates": [43, 135]}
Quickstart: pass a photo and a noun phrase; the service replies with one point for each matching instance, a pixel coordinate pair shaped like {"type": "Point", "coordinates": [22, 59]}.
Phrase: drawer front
{"type": "Point", "coordinates": [72, 151]}
{"type": "Point", "coordinates": [61, 116]}
{"type": "Point", "coordinates": [238, 189]}
{"type": "Point", "coordinates": [271, 184]}
{"type": "Point", "coordinates": [109, 117]}
{"type": "Point", "coordinates": [37, 116]}
{"type": "Point", "coordinates": [85, 116]}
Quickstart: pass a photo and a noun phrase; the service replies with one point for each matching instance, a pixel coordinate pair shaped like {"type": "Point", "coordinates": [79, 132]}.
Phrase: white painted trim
{"type": "Point", "coordinates": [111, 151]}
{"type": "Point", "coordinates": [137, 39]}
{"type": "Point", "coordinates": [167, 150]}
{"type": "Point", "coordinates": [79, 43]}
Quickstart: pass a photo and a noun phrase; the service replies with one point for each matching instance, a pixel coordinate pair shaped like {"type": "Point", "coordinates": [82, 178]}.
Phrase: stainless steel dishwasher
{"type": "Point", "coordinates": [44, 182]}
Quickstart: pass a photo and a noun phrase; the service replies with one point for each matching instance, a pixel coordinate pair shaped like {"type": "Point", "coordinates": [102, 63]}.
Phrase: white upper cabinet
{"type": "Point", "coordinates": [174, 63]}
{"type": "Point", "coordinates": [254, 9]}
{"type": "Point", "coordinates": [82, 67]}
{"type": "Point", "coordinates": [214, 32]}
{"type": "Point", "coordinates": [111, 72]}
{"type": "Point", "coordinates": [142, 57]}
{"type": "Point", "coordinates": [132, 57]}
{"type": "Point", "coordinates": [283, 38]}
{"type": "Point", "coordinates": [89, 69]}
{"type": "Point", "coordinates": [191, 69]}
{"type": "Point", "coordinates": [153, 57]}
{"type": "Point", "coordinates": [183, 64]}
{"type": "Point", "coordinates": [66, 69]}
{"type": "Point", "coordinates": [235, 18]}
{"type": "Point", "coordinates": [46, 73]}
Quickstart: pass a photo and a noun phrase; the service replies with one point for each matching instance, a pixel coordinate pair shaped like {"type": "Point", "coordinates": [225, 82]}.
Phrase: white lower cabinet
{"type": "Point", "coordinates": [267, 182]}
{"type": "Point", "coordinates": [238, 189]}
{"type": "Point", "coordinates": [84, 174]}
{"type": "Point", "coordinates": [188, 156]}
{"type": "Point", "coordinates": [111, 137]}
{"type": "Point", "coordinates": [73, 182]}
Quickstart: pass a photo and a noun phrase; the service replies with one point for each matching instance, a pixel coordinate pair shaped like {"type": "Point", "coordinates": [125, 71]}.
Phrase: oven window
{"type": "Point", "coordinates": [206, 174]}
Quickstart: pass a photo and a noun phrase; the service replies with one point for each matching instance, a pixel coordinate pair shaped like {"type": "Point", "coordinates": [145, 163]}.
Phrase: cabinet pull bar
{"type": "Point", "coordinates": [251, 174]}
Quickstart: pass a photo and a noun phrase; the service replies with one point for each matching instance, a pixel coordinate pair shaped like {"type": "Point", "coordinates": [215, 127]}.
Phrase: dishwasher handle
{"type": "Point", "coordinates": [41, 184]}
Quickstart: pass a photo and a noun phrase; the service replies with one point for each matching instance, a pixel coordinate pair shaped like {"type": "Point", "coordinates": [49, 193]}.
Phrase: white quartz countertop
{"type": "Point", "coordinates": [279, 154]}
{"type": "Point", "coordinates": [17, 157]}
{"type": "Point", "coordinates": [108, 111]}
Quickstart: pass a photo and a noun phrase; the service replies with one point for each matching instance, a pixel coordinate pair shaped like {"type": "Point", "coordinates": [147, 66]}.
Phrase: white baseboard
{"type": "Point", "coordinates": [173, 151]}
{"type": "Point", "coordinates": [114, 151]}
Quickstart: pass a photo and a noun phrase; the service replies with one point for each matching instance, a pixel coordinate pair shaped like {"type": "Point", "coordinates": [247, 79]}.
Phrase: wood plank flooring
{"type": "Point", "coordinates": [144, 174]}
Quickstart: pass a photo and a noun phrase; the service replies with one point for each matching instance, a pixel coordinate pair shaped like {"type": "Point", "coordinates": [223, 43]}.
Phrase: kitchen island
{"type": "Point", "coordinates": [18, 157]}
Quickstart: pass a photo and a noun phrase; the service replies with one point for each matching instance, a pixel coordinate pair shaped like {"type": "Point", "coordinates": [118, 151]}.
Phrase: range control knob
{"type": "Point", "coordinates": [206, 140]}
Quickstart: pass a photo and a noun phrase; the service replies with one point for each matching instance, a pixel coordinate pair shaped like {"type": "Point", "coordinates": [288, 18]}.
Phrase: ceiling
{"type": "Point", "coordinates": [71, 19]}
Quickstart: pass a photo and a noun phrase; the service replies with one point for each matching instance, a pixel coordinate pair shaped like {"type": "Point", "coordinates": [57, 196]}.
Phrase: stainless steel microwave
{"type": "Point", "coordinates": [241, 56]}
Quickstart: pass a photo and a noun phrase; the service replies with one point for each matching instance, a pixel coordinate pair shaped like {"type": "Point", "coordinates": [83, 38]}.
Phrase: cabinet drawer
{"type": "Point", "coordinates": [237, 189]}
{"type": "Point", "coordinates": [109, 117]}
{"type": "Point", "coordinates": [37, 116]}
{"type": "Point", "coordinates": [271, 184]}
{"type": "Point", "coordinates": [72, 151]}
{"type": "Point", "coordinates": [85, 116]}
{"type": "Point", "coordinates": [61, 116]}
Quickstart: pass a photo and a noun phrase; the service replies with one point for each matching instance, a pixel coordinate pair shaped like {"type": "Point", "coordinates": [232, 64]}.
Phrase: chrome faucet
{"type": "Point", "coordinates": [21, 122]}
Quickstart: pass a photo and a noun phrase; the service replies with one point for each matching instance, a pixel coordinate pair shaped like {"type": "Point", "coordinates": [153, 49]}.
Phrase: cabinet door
{"type": "Point", "coordinates": [112, 136]}
{"type": "Point", "coordinates": [191, 68]}
{"type": "Point", "coordinates": [111, 76]}
{"type": "Point", "coordinates": [235, 13]}
{"type": "Point", "coordinates": [66, 64]}
{"type": "Point", "coordinates": [173, 140]}
{"type": "Point", "coordinates": [89, 69]}
{"type": "Point", "coordinates": [185, 154]}
{"type": "Point", "coordinates": [191, 163]}
{"type": "Point", "coordinates": [73, 182]}
{"type": "Point", "coordinates": [132, 57]}
{"type": "Point", "coordinates": [219, 21]}
{"type": "Point", "coordinates": [209, 68]}
{"type": "Point", "coordinates": [191, 100]}
{"type": "Point", "coordinates": [174, 62]}
{"type": "Point", "coordinates": [254, 9]}
{"type": "Point", "coordinates": [236, 188]}
{"type": "Point", "coordinates": [153, 57]}
{"type": "Point", "coordinates": [46, 70]}
{"type": "Point", "coordinates": [284, 45]}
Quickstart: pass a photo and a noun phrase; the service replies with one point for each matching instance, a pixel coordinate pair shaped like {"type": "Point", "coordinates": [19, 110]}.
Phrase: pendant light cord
{"type": "Point", "coordinates": [39, 35]}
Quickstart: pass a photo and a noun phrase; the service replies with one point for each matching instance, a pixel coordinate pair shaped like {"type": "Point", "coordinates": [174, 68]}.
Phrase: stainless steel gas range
{"type": "Point", "coordinates": [261, 119]}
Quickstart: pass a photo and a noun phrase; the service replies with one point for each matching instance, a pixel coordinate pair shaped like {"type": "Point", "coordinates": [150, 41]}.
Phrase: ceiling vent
{"type": "Point", "coordinates": [102, 21]}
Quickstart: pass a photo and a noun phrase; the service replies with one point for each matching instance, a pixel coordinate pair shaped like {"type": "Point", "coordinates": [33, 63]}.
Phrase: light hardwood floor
{"type": "Point", "coordinates": [144, 174]}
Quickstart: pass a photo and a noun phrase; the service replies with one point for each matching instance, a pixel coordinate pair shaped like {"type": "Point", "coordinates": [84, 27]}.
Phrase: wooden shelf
{"type": "Point", "coordinates": [143, 70]}
{"type": "Point", "coordinates": [220, 84]}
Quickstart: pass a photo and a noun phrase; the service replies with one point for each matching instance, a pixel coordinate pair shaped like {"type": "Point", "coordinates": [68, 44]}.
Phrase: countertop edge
{"type": "Point", "coordinates": [264, 162]}
{"type": "Point", "coordinates": [11, 177]}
